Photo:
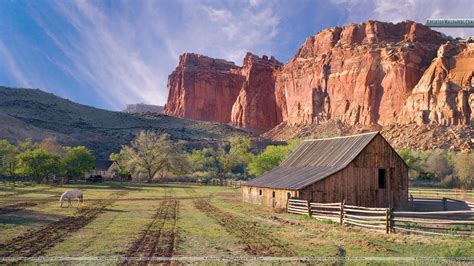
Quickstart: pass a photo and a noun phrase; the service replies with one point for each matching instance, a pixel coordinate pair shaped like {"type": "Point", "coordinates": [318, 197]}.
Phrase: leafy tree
{"type": "Point", "coordinates": [53, 146]}
{"type": "Point", "coordinates": [78, 160]}
{"type": "Point", "coordinates": [122, 160]}
{"type": "Point", "coordinates": [236, 158]}
{"type": "Point", "coordinates": [149, 153]}
{"type": "Point", "coordinates": [270, 158]}
{"type": "Point", "coordinates": [203, 160]}
{"type": "Point", "coordinates": [177, 164]}
{"type": "Point", "coordinates": [464, 168]}
{"type": "Point", "coordinates": [8, 161]}
{"type": "Point", "coordinates": [27, 145]}
{"type": "Point", "coordinates": [437, 163]}
{"type": "Point", "coordinates": [40, 164]}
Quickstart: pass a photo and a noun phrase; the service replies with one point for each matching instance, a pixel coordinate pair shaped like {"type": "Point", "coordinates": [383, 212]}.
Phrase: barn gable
{"type": "Point", "coordinates": [313, 161]}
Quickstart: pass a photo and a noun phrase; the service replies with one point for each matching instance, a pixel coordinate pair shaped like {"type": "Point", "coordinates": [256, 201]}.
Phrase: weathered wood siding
{"type": "Point", "coordinates": [357, 184]}
{"type": "Point", "coordinates": [252, 195]}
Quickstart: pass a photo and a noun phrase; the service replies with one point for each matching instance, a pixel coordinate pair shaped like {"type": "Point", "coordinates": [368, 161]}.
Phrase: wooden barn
{"type": "Point", "coordinates": [363, 170]}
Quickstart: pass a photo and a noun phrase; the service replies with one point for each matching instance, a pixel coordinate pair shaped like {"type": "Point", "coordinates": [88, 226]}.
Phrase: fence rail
{"type": "Point", "coordinates": [446, 222]}
{"type": "Point", "coordinates": [439, 193]}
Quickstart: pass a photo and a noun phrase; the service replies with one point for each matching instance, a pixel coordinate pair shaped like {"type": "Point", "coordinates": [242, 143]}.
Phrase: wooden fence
{"type": "Point", "coordinates": [419, 192]}
{"type": "Point", "coordinates": [459, 223]}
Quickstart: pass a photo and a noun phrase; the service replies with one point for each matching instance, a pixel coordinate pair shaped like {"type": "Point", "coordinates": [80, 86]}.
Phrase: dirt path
{"type": "Point", "coordinates": [159, 238]}
{"type": "Point", "coordinates": [36, 241]}
{"type": "Point", "coordinates": [257, 242]}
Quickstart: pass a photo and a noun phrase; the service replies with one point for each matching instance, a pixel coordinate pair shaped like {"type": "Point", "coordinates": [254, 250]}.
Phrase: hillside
{"type": "Point", "coordinates": [32, 113]}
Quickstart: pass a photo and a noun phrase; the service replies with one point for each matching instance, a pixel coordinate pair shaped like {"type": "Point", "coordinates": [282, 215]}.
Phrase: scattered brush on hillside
{"type": "Point", "coordinates": [32, 113]}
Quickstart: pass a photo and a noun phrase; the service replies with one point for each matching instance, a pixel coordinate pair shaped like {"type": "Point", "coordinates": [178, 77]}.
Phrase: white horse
{"type": "Point", "coordinates": [70, 195]}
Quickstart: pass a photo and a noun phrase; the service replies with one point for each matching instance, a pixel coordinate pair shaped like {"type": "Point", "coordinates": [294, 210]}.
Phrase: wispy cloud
{"type": "Point", "coordinates": [11, 66]}
{"type": "Point", "coordinates": [125, 55]}
{"type": "Point", "coordinates": [122, 51]}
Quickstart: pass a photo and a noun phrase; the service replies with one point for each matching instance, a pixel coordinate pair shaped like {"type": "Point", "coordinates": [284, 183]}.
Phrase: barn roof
{"type": "Point", "coordinates": [312, 161]}
{"type": "Point", "coordinates": [103, 165]}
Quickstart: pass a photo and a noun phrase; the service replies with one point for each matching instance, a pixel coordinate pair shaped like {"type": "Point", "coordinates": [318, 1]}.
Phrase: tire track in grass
{"type": "Point", "coordinates": [36, 241]}
{"type": "Point", "coordinates": [257, 242]}
{"type": "Point", "coordinates": [159, 237]}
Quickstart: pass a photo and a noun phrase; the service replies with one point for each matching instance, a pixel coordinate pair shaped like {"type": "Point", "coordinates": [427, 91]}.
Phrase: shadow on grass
{"type": "Point", "coordinates": [28, 217]}
{"type": "Point", "coordinates": [114, 210]}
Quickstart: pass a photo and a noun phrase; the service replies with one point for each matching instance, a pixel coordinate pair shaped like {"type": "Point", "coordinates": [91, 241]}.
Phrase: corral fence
{"type": "Point", "coordinates": [225, 182]}
{"type": "Point", "coordinates": [424, 192]}
{"type": "Point", "coordinates": [454, 223]}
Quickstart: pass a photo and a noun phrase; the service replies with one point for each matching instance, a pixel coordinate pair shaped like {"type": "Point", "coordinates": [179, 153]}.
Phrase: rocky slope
{"type": "Point", "coordinates": [362, 75]}
{"type": "Point", "coordinates": [458, 138]}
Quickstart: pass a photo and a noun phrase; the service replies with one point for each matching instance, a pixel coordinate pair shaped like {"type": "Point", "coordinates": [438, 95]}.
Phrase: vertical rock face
{"type": "Point", "coordinates": [256, 108]}
{"type": "Point", "coordinates": [445, 94]}
{"type": "Point", "coordinates": [203, 88]}
{"type": "Point", "coordinates": [360, 74]}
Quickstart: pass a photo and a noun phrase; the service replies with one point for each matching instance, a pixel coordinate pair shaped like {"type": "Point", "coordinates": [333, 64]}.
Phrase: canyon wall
{"type": "Point", "coordinates": [361, 74]}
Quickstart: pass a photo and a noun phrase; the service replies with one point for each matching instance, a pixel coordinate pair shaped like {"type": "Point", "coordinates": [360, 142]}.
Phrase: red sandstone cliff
{"type": "Point", "coordinates": [203, 88]}
{"type": "Point", "coordinates": [445, 93]}
{"type": "Point", "coordinates": [256, 108]}
{"type": "Point", "coordinates": [360, 74]}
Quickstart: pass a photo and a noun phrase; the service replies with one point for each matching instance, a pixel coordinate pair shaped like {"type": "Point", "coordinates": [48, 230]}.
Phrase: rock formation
{"type": "Point", "coordinates": [203, 88]}
{"type": "Point", "coordinates": [256, 107]}
{"type": "Point", "coordinates": [361, 74]}
{"type": "Point", "coordinates": [138, 108]}
{"type": "Point", "coordinates": [372, 73]}
{"type": "Point", "coordinates": [445, 93]}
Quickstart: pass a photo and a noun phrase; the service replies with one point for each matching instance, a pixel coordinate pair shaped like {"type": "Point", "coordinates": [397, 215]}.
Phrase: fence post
{"type": "Point", "coordinates": [387, 220]}
{"type": "Point", "coordinates": [287, 204]}
{"type": "Point", "coordinates": [341, 215]}
{"type": "Point", "coordinates": [445, 204]}
{"type": "Point", "coordinates": [309, 207]}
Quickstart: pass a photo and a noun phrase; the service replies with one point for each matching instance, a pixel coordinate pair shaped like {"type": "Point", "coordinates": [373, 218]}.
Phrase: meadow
{"type": "Point", "coordinates": [187, 223]}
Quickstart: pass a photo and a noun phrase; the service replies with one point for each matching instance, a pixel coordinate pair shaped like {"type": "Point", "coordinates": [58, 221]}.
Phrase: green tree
{"type": "Point", "coordinates": [39, 163]}
{"type": "Point", "coordinates": [149, 153]}
{"type": "Point", "coordinates": [77, 161]}
{"type": "Point", "coordinates": [8, 160]}
{"type": "Point", "coordinates": [122, 160]}
{"type": "Point", "coordinates": [27, 145]}
{"type": "Point", "coordinates": [235, 158]}
{"type": "Point", "coordinates": [270, 158]}
{"type": "Point", "coordinates": [203, 160]}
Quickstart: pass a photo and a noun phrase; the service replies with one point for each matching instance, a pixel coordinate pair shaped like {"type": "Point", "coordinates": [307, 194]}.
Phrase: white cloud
{"type": "Point", "coordinates": [416, 10]}
{"type": "Point", "coordinates": [12, 67]}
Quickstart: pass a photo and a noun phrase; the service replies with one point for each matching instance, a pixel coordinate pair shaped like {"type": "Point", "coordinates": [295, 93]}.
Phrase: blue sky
{"type": "Point", "coordinates": [110, 53]}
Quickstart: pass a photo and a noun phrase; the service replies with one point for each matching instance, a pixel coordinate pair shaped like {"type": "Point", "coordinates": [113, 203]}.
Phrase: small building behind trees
{"type": "Point", "coordinates": [108, 169]}
{"type": "Point", "coordinates": [363, 170]}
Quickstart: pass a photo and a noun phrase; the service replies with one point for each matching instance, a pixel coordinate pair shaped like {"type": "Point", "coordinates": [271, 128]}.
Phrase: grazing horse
{"type": "Point", "coordinates": [70, 195]}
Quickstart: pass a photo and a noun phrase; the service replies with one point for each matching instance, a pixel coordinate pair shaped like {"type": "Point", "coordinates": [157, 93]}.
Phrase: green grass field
{"type": "Point", "coordinates": [186, 221]}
